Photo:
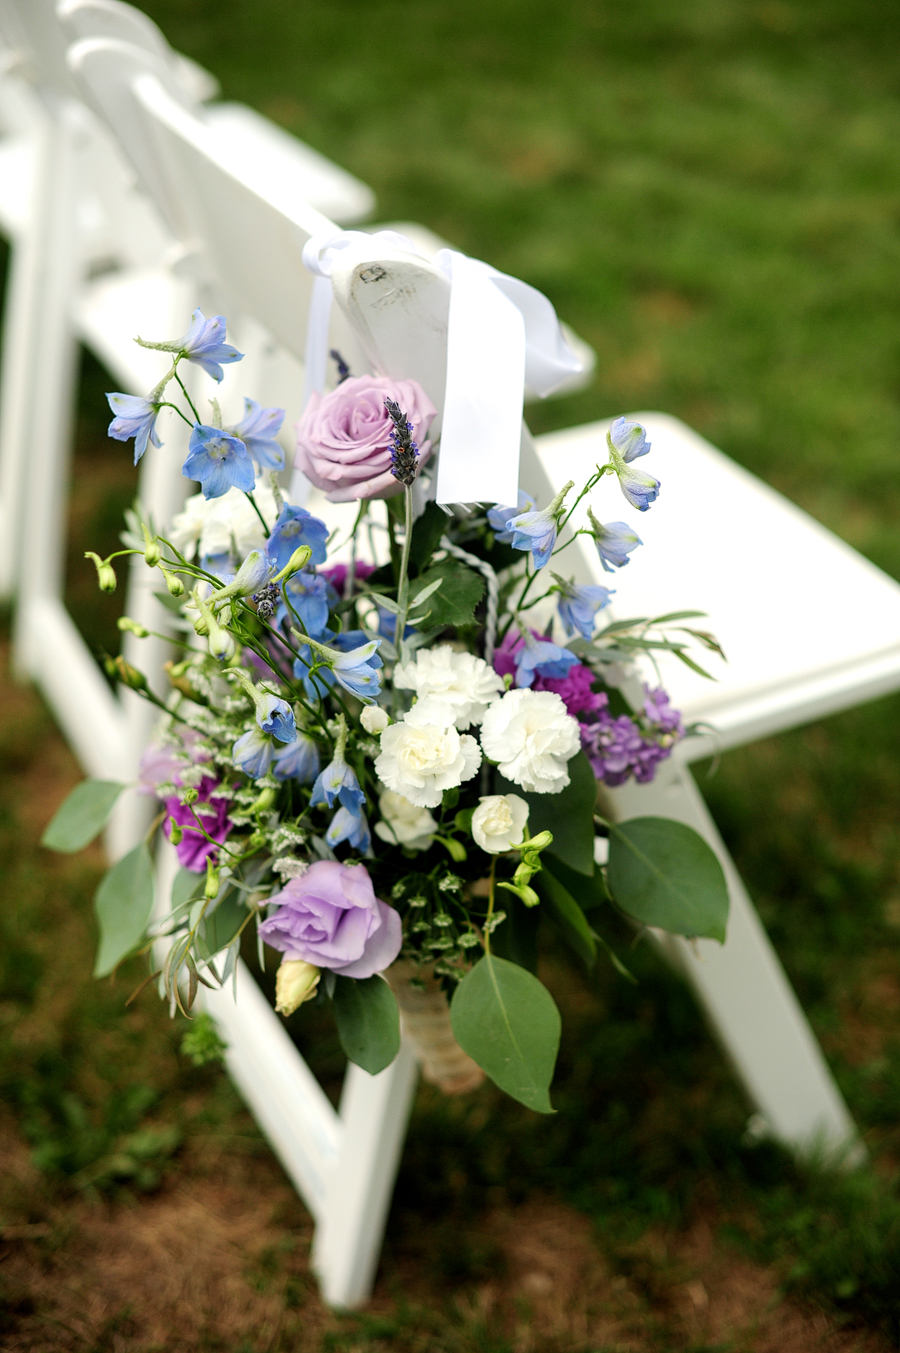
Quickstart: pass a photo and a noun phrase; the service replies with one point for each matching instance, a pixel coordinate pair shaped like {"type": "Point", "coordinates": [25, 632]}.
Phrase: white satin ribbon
{"type": "Point", "coordinates": [502, 334]}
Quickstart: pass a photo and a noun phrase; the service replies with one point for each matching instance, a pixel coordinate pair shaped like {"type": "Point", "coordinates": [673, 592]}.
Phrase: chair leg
{"type": "Point", "coordinates": [374, 1115]}
{"type": "Point", "coordinates": [746, 995]}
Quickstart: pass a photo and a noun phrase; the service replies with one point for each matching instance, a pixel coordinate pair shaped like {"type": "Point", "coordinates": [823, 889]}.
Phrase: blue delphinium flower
{"type": "Point", "coordinates": [135, 417]}
{"type": "Point", "coordinates": [219, 462]}
{"type": "Point", "coordinates": [355, 670]}
{"type": "Point", "coordinates": [578, 606]}
{"type": "Point", "coordinates": [204, 343]}
{"type": "Point", "coordinates": [338, 781]}
{"type": "Point", "coordinates": [627, 441]}
{"type": "Point", "coordinates": [536, 531]}
{"type": "Point", "coordinates": [252, 753]}
{"type": "Point", "coordinates": [500, 518]}
{"type": "Point", "coordinates": [295, 527]}
{"type": "Point", "coordinates": [540, 657]}
{"type": "Point", "coordinates": [614, 540]}
{"type": "Point", "coordinates": [275, 716]}
{"type": "Point", "coordinates": [311, 597]}
{"type": "Point", "coordinates": [299, 760]}
{"type": "Point", "coordinates": [349, 826]}
{"type": "Point", "coordinates": [257, 431]}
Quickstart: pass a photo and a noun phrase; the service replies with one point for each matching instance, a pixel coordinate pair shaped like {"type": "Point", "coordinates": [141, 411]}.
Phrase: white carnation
{"type": "Point", "coordinates": [532, 737]}
{"type": "Point", "coordinates": [403, 824]}
{"type": "Point", "coordinates": [224, 525]}
{"type": "Point", "coordinates": [420, 758]}
{"type": "Point", "coordinates": [498, 822]}
{"type": "Point", "coordinates": [464, 684]}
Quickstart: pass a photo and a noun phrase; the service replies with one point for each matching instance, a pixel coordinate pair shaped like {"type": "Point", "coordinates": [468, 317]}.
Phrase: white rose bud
{"type": "Point", "coordinates": [498, 822]}
{"type": "Point", "coordinates": [295, 982]}
{"type": "Point", "coordinates": [374, 719]}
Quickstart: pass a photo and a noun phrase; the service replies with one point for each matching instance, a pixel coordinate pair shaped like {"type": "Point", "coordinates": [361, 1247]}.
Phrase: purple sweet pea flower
{"type": "Point", "coordinates": [578, 607]}
{"type": "Point", "coordinates": [193, 848]}
{"type": "Point", "coordinates": [331, 917]}
{"type": "Point", "coordinates": [299, 760]}
{"type": "Point", "coordinates": [135, 417]}
{"type": "Point", "coordinates": [218, 462]}
{"type": "Point", "coordinates": [257, 431]}
{"type": "Point", "coordinates": [351, 827]}
{"type": "Point", "coordinates": [296, 527]}
{"type": "Point", "coordinates": [204, 343]}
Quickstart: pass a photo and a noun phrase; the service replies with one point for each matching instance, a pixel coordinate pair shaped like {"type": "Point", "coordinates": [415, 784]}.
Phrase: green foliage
{"type": "Point", "coordinates": [508, 1023]}
{"type": "Point", "coordinates": [662, 873]}
{"type": "Point", "coordinates": [567, 916]}
{"type": "Point", "coordinates": [455, 601]}
{"type": "Point", "coordinates": [368, 1021]}
{"type": "Point", "coordinates": [82, 816]}
{"type": "Point", "coordinates": [220, 928]}
{"type": "Point", "coordinates": [569, 815]}
{"type": "Point", "coordinates": [123, 904]}
{"type": "Point", "coordinates": [202, 1042]}
{"type": "Point", "coordinates": [426, 536]}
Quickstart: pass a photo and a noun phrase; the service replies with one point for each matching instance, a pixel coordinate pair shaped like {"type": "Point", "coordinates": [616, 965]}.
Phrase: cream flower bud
{"type": "Point", "coordinates": [295, 982]}
{"type": "Point", "coordinates": [498, 822]}
{"type": "Point", "coordinates": [403, 824]}
{"type": "Point", "coordinates": [374, 719]}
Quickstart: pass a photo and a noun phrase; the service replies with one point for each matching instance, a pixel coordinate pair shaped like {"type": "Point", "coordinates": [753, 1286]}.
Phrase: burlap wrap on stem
{"type": "Point", "coordinates": [425, 1019]}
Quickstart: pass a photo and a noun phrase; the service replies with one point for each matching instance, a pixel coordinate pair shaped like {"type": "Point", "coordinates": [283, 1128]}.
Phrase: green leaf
{"type": "Point", "coordinates": [589, 891]}
{"type": "Point", "coordinates": [663, 874]}
{"type": "Point", "coordinates": [185, 886]}
{"type": "Point", "coordinates": [455, 602]}
{"type": "Point", "coordinates": [82, 816]}
{"type": "Point", "coordinates": [368, 1021]}
{"type": "Point", "coordinates": [123, 904]}
{"type": "Point", "coordinates": [427, 532]}
{"type": "Point", "coordinates": [509, 1024]}
{"type": "Point", "coordinates": [516, 938]}
{"type": "Point", "coordinates": [220, 928]}
{"type": "Point", "coordinates": [569, 815]}
{"type": "Point", "coordinates": [566, 914]}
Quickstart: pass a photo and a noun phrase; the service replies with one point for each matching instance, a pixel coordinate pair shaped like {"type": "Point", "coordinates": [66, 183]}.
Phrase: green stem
{"type": "Point", "coordinates": [197, 418]}
{"type": "Point", "coordinates": [490, 910]}
{"type": "Point", "coordinates": [259, 514]}
{"type": "Point", "coordinates": [166, 404]}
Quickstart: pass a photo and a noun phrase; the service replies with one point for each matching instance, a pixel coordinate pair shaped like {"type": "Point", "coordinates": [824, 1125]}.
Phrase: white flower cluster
{"type": "Point", "coordinates": [210, 526]}
{"type": "Point", "coordinates": [529, 733]}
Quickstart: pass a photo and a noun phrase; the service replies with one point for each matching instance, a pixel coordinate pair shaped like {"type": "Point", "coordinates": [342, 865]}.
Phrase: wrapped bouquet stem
{"type": "Point", "coordinates": [387, 766]}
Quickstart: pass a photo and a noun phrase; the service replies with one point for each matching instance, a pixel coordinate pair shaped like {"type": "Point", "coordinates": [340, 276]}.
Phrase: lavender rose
{"type": "Point", "coordinates": [331, 917]}
{"type": "Point", "coordinates": [343, 438]}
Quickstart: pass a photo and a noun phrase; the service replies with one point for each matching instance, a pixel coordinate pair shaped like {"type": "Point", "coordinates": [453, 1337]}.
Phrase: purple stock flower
{"type": "Point", "coordinates": [295, 527]}
{"type": "Point", "coordinates": [204, 343]}
{"type": "Point", "coordinates": [218, 462]}
{"type": "Point", "coordinates": [660, 713]}
{"type": "Point", "coordinates": [578, 606]}
{"type": "Point", "coordinates": [135, 417]}
{"type": "Point", "coordinates": [331, 917]}
{"type": "Point", "coordinates": [630, 745]}
{"type": "Point", "coordinates": [193, 848]}
{"type": "Point", "coordinates": [257, 431]}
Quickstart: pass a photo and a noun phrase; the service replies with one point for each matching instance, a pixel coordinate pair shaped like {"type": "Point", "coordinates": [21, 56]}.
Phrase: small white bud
{"type": "Point", "coordinates": [374, 719]}
{"type": "Point", "coordinates": [295, 982]}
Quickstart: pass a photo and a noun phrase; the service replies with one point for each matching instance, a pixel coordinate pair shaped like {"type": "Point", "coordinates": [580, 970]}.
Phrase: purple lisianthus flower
{"type": "Point", "coordinates": [578, 607]}
{"type": "Point", "coordinates": [349, 826]}
{"type": "Point", "coordinates": [331, 917]}
{"type": "Point", "coordinates": [311, 597]}
{"type": "Point", "coordinates": [500, 518]}
{"type": "Point", "coordinates": [193, 849]}
{"type": "Point", "coordinates": [204, 343]}
{"type": "Point", "coordinates": [135, 417]}
{"type": "Point", "coordinates": [295, 527]}
{"type": "Point", "coordinates": [626, 442]}
{"type": "Point", "coordinates": [253, 753]}
{"type": "Point", "coordinates": [257, 431]}
{"type": "Point", "coordinates": [218, 462]}
{"type": "Point", "coordinates": [614, 540]}
{"type": "Point", "coordinates": [299, 760]}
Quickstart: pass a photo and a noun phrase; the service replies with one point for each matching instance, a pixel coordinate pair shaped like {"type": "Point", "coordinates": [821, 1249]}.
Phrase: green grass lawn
{"type": "Point", "coordinates": [710, 193]}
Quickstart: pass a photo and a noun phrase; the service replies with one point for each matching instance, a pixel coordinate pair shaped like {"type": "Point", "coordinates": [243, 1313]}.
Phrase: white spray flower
{"type": "Point", "coordinates": [421, 757]}
{"type": "Point", "coordinates": [464, 684]}
{"type": "Point", "coordinates": [532, 737]}
{"type": "Point", "coordinates": [218, 525]}
{"type": "Point", "coordinates": [403, 824]}
{"type": "Point", "coordinates": [498, 822]}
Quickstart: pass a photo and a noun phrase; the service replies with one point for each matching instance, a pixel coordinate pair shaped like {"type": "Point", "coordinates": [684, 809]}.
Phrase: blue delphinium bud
{"type": "Point", "coordinates": [218, 462]}
{"type": "Point", "coordinates": [536, 531]}
{"type": "Point", "coordinates": [614, 540]}
{"type": "Point", "coordinates": [252, 753]}
{"type": "Point", "coordinates": [204, 343]}
{"type": "Point", "coordinates": [500, 518]}
{"type": "Point", "coordinates": [627, 441]}
{"type": "Point", "coordinates": [257, 431]}
{"type": "Point", "coordinates": [135, 417]}
{"type": "Point", "coordinates": [540, 657]}
{"type": "Point", "coordinates": [578, 606]}
{"type": "Point", "coordinates": [299, 760]}
{"type": "Point", "coordinates": [295, 526]}
{"type": "Point", "coordinates": [350, 826]}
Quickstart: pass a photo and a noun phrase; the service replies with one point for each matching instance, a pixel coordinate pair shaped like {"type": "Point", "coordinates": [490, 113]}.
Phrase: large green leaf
{"type": "Point", "coordinates": [516, 937]}
{"type": "Point", "coordinates": [589, 891]}
{"type": "Point", "coordinates": [569, 815]}
{"type": "Point", "coordinates": [565, 912]}
{"type": "Point", "coordinates": [186, 885]}
{"type": "Point", "coordinates": [460, 592]}
{"type": "Point", "coordinates": [662, 873]}
{"type": "Point", "coordinates": [427, 531]}
{"type": "Point", "coordinates": [82, 816]}
{"type": "Point", "coordinates": [368, 1021]}
{"type": "Point", "coordinates": [509, 1024]}
{"type": "Point", "coordinates": [220, 928]}
{"type": "Point", "coordinates": [123, 904]}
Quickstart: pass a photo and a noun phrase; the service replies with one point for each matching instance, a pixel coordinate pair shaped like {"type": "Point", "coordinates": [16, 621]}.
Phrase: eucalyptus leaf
{"type": "Point", "coordinates": [664, 874]}
{"type": "Point", "coordinates": [81, 816]}
{"type": "Point", "coordinates": [569, 815]}
{"type": "Point", "coordinates": [368, 1021]}
{"type": "Point", "coordinates": [589, 891]}
{"type": "Point", "coordinates": [566, 914]}
{"type": "Point", "coordinates": [186, 885]}
{"type": "Point", "coordinates": [123, 904]}
{"type": "Point", "coordinates": [220, 928]}
{"type": "Point", "coordinates": [508, 1023]}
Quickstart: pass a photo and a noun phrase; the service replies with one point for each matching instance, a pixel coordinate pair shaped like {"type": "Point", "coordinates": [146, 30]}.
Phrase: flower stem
{"type": "Point", "coordinates": [255, 507]}
{"type": "Point", "coordinates": [197, 418]}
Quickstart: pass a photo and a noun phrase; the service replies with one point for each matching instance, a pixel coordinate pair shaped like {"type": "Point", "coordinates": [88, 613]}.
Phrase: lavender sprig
{"type": "Point", "coordinates": [267, 601]}
{"type": "Point", "coordinates": [404, 451]}
{"type": "Point", "coordinates": [343, 368]}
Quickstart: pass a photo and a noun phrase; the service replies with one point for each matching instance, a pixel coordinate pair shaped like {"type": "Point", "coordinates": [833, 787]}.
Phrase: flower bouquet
{"type": "Point", "coordinates": [385, 754]}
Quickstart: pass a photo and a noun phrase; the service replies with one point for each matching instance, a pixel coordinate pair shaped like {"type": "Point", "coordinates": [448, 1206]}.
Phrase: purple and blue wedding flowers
{"type": "Point", "coordinates": [204, 344]}
{"type": "Point", "coordinates": [627, 441]}
{"type": "Point", "coordinates": [257, 431]}
{"type": "Point", "coordinates": [578, 606]}
{"type": "Point", "coordinates": [294, 527]}
{"type": "Point", "coordinates": [135, 417]}
{"type": "Point", "coordinates": [218, 462]}
{"type": "Point", "coordinates": [614, 540]}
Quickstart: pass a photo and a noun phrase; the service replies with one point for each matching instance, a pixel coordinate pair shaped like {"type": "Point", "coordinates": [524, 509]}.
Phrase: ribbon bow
{"type": "Point", "coordinates": [502, 334]}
